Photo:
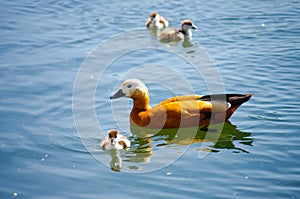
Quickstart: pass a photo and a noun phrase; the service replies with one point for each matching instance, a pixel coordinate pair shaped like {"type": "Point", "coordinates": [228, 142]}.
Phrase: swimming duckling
{"type": "Point", "coordinates": [173, 34]}
{"type": "Point", "coordinates": [179, 111]}
{"type": "Point", "coordinates": [114, 140]}
{"type": "Point", "coordinates": [157, 21]}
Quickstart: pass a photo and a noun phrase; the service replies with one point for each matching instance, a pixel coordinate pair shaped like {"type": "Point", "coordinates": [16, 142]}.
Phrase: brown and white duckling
{"type": "Point", "coordinates": [114, 140]}
{"type": "Point", "coordinates": [172, 34]}
{"type": "Point", "coordinates": [157, 21]}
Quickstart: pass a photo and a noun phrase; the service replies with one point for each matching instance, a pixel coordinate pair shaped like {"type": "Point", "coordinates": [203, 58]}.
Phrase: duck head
{"type": "Point", "coordinates": [131, 88]}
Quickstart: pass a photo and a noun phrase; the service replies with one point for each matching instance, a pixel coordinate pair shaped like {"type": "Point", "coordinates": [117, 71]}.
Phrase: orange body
{"type": "Point", "coordinates": [184, 111]}
{"type": "Point", "coordinates": [180, 111]}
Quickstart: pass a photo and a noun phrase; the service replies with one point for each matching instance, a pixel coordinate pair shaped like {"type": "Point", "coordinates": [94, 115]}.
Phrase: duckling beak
{"type": "Point", "coordinates": [194, 27]}
{"type": "Point", "coordinates": [117, 94]}
{"type": "Point", "coordinates": [113, 141]}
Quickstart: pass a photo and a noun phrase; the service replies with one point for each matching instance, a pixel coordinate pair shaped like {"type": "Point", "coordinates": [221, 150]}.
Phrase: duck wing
{"type": "Point", "coordinates": [196, 105]}
{"type": "Point", "coordinates": [232, 99]}
{"type": "Point", "coordinates": [195, 110]}
{"type": "Point", "coordinates": [183, 111]}
{"type": "Point", "coordinates": [192, 104]}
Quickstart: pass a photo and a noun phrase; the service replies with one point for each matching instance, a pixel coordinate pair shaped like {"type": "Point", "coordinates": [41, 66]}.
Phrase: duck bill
{"type": "Point", "coordinates": [194, 27]}
{"type": "Point", "coordinates": [118, 95]}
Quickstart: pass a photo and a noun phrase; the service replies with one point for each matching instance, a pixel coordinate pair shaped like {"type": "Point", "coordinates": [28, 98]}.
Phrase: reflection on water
{"type": "Point", "coordinates": [116, 161]}
{"type": "Point", "coordinates": [154, 32]}
{"type": "Point", "coordinates": [146, 141]}
{"type": "Point", "coordinates": [186, 43]}
{"type": "Point", "coordinates": [256, 48]}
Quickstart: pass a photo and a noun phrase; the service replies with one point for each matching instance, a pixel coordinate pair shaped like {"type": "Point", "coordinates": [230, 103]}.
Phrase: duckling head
{"type": "Point", "coordinates": [188, 24]}
{"type": "Point", "coordinates": [154, 17]}
{"type": "Point", "coordinates": [131, 88]}
{"type": "Point", "coordinates": [113, 134]}
{"type": "Point", "coordinates": [186, 27]}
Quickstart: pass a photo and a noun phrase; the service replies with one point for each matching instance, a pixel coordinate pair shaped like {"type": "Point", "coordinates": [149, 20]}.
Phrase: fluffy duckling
{"type": "Point", "coordinates": [172, 34]}
{"type": "Point", "coordinates": [157, 21]}
{"type": "Point", "coordinates": [114, 140]}
{"type": "Point", "coordinates": [179, 111]}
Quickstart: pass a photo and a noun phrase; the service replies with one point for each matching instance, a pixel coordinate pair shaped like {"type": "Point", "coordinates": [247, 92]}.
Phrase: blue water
{"type": "Point", "coordinates": [254, 45]}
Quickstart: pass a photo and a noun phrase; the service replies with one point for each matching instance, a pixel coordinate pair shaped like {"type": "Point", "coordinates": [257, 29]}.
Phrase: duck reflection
{"type": "Point", "coordinates": [220, 137]}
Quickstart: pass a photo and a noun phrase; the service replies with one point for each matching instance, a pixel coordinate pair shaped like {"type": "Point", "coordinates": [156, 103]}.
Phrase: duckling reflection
{"type": "Point", "coordinates": [116, 161]}
{"type": "Point", "coordinates": [186, 43]}
{"type": "Point", "coordinates": [140, 151]}
{"type": "Point", "coordinates": [154, 32]}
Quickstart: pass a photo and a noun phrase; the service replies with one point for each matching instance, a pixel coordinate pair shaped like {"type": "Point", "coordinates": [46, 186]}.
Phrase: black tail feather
{"type": "Point", "coordinates": [233, 99]}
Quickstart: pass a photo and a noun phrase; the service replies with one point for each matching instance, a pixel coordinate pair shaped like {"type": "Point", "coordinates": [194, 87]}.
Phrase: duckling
{"type": "Point", "coordinates": [157, 21]}
{"type": "Point", "coordinates": [179, 111]}
{"type": "Point", "coordinates": [172, 34]}
{"type": "Point", "coordinates": [114, 140]}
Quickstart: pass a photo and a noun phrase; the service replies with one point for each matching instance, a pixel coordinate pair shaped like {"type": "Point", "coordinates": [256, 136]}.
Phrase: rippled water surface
{"type": "Point", "coordinates": [254, 47]}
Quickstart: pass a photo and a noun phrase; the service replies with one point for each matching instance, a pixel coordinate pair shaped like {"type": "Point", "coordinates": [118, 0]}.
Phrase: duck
{"type": "Point", "coordinates": [114, 140]}
{"type": "Point", "coordinates": [178, 111]}
{"type": "Point", "coordinates": [157, 21]}
{"type": "Point", "coordinates": [171, 34]}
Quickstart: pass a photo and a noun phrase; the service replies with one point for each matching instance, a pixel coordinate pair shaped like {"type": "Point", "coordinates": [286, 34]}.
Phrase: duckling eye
{"type": "Point", "coordinates": [129, 86]}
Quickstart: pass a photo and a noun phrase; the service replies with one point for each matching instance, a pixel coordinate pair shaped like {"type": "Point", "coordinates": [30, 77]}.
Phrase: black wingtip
{"type": "Point", "coordinates": [233, 99]}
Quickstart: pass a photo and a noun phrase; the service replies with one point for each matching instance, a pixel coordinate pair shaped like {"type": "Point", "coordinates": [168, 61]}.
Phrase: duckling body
{"type": "Point", "coordinates": [156, 21]}
{"type": "Point", "coordinates": [180, 111]}
{"type": "Point", "coordinates": [172, 34]}
{"type": "Point", "coordinates": [114, 140]}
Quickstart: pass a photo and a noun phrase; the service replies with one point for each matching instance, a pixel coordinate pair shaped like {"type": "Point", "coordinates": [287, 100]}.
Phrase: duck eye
{"type": "Point", "coordinates": [129, 86]}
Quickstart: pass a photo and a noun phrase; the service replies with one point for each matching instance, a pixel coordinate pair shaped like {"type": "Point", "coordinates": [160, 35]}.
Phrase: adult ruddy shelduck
{"type": "Point", "coordinates": [179, 111]}
{"type": "Point", "coordinates": [171, 34]}
{"type": "Point", "coordinates": [156, 21]}
{"type": "Point", "coordinates": [114, 140]}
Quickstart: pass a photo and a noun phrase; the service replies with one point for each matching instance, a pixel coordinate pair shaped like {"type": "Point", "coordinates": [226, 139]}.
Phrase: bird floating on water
{"type": "Point", "coordinates": [178, 111]}
{"type": "Point", "coordinates": [171, 34]}
{"type": "Point", "coordinates": [115, 140]}
{"type": "Point", "coordinates": [156, 21]}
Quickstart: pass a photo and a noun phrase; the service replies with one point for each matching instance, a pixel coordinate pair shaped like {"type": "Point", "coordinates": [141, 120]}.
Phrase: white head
{"type": "Point", "coordinates": [130, 88]}
{"type": "Point", "coordinates": [186, 27]}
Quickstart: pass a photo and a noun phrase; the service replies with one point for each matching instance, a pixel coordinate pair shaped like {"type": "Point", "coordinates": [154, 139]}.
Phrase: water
{"type": "Point", "coordinates": [255, 46]}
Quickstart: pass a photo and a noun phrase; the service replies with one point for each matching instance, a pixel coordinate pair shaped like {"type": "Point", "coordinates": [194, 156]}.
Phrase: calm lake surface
{"type": "Point", "coordinates": [240, 47]}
